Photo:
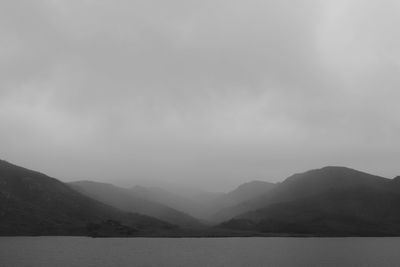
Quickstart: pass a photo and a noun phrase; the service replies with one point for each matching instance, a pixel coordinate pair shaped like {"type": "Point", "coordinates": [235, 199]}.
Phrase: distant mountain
{"type": "Point", "coordinates": [242, 193]}
{"type": "Point", "coordinates": [332, 201]}
{"type": "Point", "coordinates": [248, 191]}
{"type": "Point", "coordinates": [302, 185]}
{"type": "Point", "coordinates": [130, 201]}
{"type": "Point", "coordinates": [199, 205]}
{"type": "Point", "coordinates": [205, 204]}
{"type": "Point", "coordinates": [328, 201]}
{"type": "Point", "coordinates": [32, 203]}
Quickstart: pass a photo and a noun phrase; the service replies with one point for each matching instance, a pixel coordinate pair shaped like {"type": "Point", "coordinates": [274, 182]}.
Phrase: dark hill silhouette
{"type": "Point", "coordinates": [32, 203]}
{"type": "Point", "coordinates": [127, 200]}
{"type": "Point", "coordinates": [328, 201]}
{"type": "Point", "coordinates": [352, 212]}
{"type": "Point", "coordinates": [332, 201]}
{"type": "Point", "coordinates": [306, 184]}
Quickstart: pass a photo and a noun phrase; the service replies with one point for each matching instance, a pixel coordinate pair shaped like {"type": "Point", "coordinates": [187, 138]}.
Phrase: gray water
{"type": "Point", "coordinates": [192, 252]}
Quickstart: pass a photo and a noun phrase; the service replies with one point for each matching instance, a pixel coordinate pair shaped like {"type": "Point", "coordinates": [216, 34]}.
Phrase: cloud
{"type": "Point", "coordinates": [206, 93]}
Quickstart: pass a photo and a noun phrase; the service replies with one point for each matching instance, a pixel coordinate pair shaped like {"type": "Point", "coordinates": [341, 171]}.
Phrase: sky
{"type": "Point", "coordinates": [205, 94]}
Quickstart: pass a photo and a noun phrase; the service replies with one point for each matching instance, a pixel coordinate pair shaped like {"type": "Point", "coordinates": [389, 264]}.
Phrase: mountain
{"type": "Point", "coordinates": [305, 184]}
{"type": "Point", "coordinates": [127, 200]}
{"type": "Point", "coordinates": [32, 203]}
{"type": "Point", "coordinates": [199, 205]}
{"type": "Point", "coordinates": [332, 201]}
{"type": "Point", "coordinates": [242, 193]}
{"type": "Point", "coordinates": [248, 191]}
{"type": "Point", "coordinates": [204, 204]}
{"type": "Point", "coordinates": [329, 201]}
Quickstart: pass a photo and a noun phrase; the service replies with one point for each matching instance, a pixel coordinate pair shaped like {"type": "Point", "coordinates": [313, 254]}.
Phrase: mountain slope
{"type": "Point", "coordinates": [306, 184]}
{"type": "Point", "coordinates": [126, 200]}
{"type": "Point", "coordinates": [248, 191]}
{"type": "Point", "coordinates": [32, 203]}
{"type": "Point", "coordinates": [205, 204]}
{"type": "Point", "coordinates": [196, 206]}
{"type": "Point", "coordinates": [351, 212]}
{"type": "Point", "coordinates": [329, 201]}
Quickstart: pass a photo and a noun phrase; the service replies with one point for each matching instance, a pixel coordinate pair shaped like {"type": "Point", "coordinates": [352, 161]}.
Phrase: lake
{"type": "Point", "coordinates": [192, 252]}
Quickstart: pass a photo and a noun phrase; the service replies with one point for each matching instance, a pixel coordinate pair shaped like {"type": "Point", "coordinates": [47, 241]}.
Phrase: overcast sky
{"type": "Point", "coordinates": [206, 93]}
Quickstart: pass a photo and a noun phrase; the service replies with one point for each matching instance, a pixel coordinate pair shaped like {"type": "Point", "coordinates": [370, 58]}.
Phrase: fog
{"type": "Point", "coordinates": [206, 94]}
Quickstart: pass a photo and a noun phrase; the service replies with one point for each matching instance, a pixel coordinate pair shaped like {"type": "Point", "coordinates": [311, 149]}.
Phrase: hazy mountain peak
{"type": "Point", "coordinates": [142, 188]}
{"type": "Point", "coordinates": [93, 183]}
{"type": "Point", "coordinates": [334, 167]}
{"type": "Point", "coordinates": [250, 189]}
{"type": "Point", "coordinates": [253, 184]}
{"type": "Point", "coordinates": [330, 169]}
{"type": "Point", "coordinates": [333, 173]}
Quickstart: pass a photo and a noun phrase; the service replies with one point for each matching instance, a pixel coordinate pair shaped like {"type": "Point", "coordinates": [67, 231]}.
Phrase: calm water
{"type": "Point", "coordinates": [97, 252]}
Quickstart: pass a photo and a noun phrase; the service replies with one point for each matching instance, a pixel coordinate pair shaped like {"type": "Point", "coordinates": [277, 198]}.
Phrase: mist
{"type": "Point", "coordinates": [203, 94]}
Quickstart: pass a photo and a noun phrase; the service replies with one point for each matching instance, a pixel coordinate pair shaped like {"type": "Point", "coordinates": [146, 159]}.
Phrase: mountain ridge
{"type": "Point", "coordinates": [330, 201]}
{"type": "Point", "coordinates": [296, 186]}
{"type": "Point", "coordinates": [327, 201]}
{"type": "Point", "coordinates": [32, 203]}
{"type": "Point", "coordinates": [125, 199]}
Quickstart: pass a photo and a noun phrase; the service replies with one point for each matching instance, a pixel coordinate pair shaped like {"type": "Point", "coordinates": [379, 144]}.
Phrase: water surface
{"type": "Point", "coordinates": [232, 252]}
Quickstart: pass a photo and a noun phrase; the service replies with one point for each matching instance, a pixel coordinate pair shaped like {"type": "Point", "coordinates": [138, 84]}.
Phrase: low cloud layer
{"type": "Point", "coordinates": [202, 93]}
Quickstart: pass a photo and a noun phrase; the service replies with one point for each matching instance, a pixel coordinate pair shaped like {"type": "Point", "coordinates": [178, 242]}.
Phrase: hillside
{"type": "Point", "coordinates": [328, 201]}
{"type": "Point", "coordinates": [205, 204]}
{"type": "Point", "coordinates": [32, 203]}
{"type": "Point", "coordinates": [249, 191]}
{"type": "Point", "coordinates": [305, 184]}
{"type": "Point", "coordinates": [199, 205]}
{"type": "Point", "coordinates": [332, 201]}
{"type": "Point", "coordinates": [128, 200]}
